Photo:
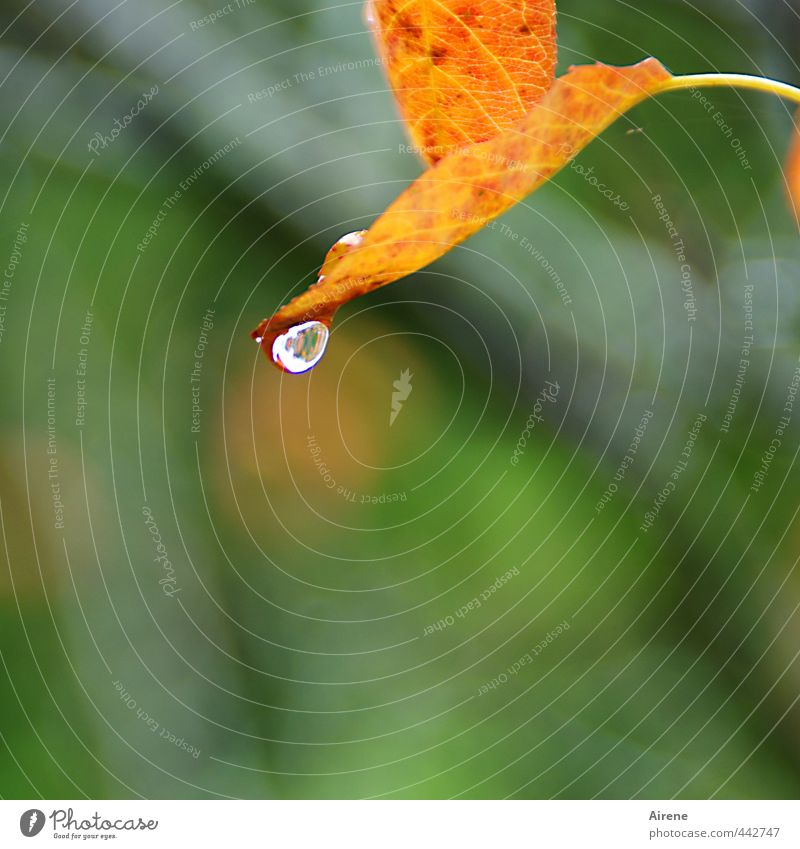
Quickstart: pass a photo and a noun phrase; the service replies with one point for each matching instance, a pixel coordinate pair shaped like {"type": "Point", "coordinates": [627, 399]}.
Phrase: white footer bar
{"type": "Point", "coordinates": [461, 824]}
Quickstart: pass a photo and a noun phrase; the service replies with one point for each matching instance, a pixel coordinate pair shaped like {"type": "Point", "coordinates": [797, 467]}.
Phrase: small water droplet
{"type": "Point", "coordinates": [301, 347]}
{"type": "Point", "coordinates": [344, 246]}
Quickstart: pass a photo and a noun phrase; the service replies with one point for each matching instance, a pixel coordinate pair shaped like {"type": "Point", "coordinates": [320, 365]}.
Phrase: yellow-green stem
{"type": "Point", "coordinates": [730, 81]}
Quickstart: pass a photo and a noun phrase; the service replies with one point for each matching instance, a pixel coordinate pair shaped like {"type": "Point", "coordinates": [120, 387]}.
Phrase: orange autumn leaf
{"type": "Point", "coordinates": [463, 71]}
{"type": "Point", "coordinates": [792, 171]}
{"type": "Point", "coordinates": [457, 196]}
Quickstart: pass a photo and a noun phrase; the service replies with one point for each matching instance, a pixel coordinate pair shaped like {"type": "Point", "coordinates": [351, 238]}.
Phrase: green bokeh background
{"type": "Point", "coordinates": [294, 657]}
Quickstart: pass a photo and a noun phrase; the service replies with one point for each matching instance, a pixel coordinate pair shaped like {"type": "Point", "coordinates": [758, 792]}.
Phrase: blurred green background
{"type": "Point", "coordinates": [286, 642]}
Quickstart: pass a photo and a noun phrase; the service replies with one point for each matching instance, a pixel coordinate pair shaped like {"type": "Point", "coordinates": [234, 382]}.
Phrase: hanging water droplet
{"type": "Point", "coordinates": [301, 347]}
{"type": "Point", "coordinates": [344, 246]}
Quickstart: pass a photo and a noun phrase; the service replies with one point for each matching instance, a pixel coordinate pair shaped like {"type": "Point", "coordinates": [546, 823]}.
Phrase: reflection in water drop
{"type": "Point", "coordinates": [301, 347]}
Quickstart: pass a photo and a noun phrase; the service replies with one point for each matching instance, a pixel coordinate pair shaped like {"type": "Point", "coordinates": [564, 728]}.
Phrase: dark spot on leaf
{"type": "Point", "coordinates": [438, 55]}
{"type": "Point", "coordinates": [409, 29]}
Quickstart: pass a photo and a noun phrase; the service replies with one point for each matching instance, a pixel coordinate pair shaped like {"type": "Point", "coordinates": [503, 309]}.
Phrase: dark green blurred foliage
{"type": "Point", "coordinates": [295, 656]}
